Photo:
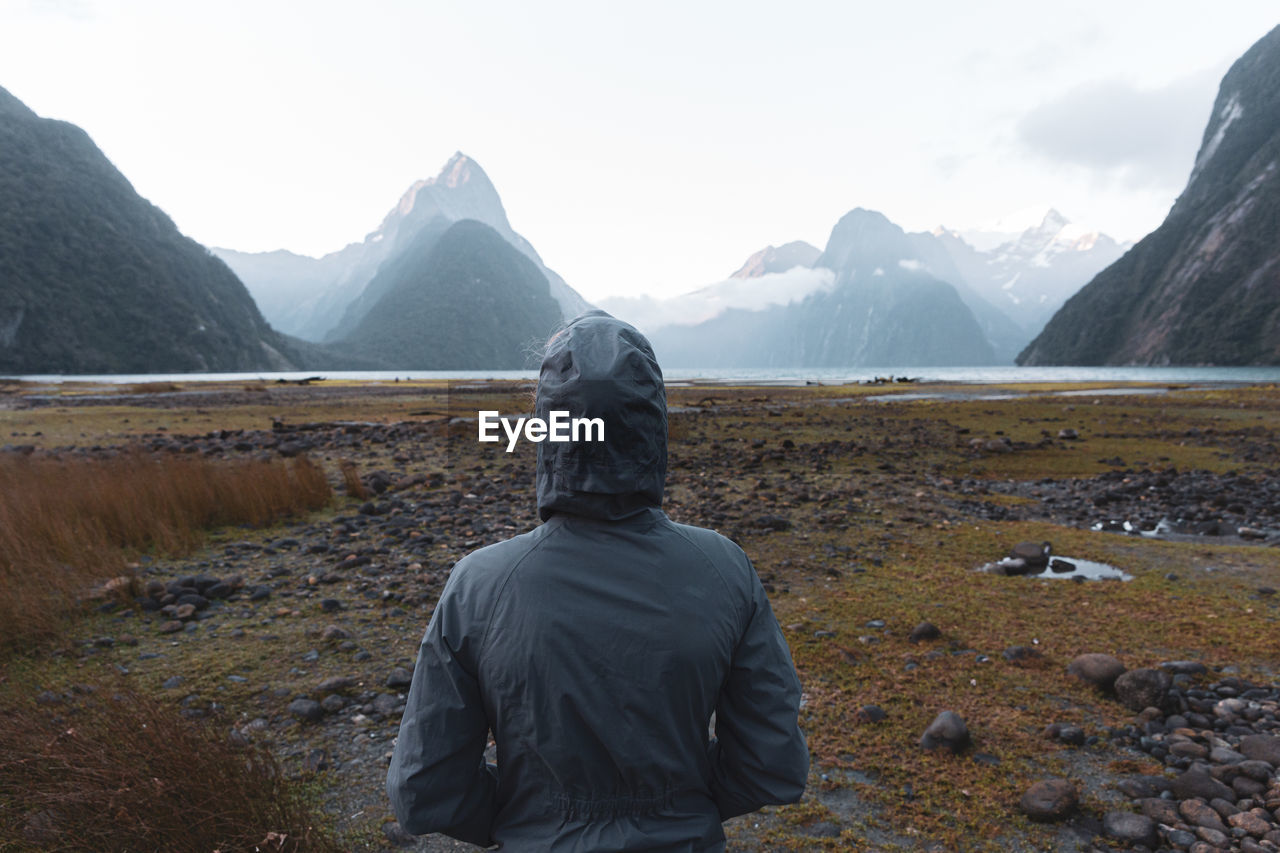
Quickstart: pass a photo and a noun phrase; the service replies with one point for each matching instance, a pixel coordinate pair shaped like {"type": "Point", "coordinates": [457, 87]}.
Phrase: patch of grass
{"type": "Point", "coordinates": [151, 388]}
{"type": "Point", "coordinates": [68, 523]}
{"type": "Point", "coordinates": [118, 771]}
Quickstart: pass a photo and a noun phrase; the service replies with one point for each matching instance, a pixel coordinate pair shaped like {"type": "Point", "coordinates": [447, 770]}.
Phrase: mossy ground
{"type": "Point", "coordinates": [874, 535]}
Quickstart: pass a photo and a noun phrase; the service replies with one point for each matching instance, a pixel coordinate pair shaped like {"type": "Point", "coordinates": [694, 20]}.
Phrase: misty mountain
{"type": "Point", "coordinates": [96, 279]}
{"type": "Point", "coordinates": [772, 276]}
{"type": "Point", "coordinates": [778, 259]}
{"type": "Point", "coordinates": [324, 299]}
{"type": "Point", "coordinates": [1029, 274]}
{"type": "Point", "coordinates": [881, 308]}
{"type": "Point", "coordinates": [453, 299]}
{"type": "Point", "coordinates": [1204, 287]}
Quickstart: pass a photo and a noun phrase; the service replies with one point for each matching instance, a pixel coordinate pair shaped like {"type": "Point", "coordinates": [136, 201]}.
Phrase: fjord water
{"type": "Point", "coordinates": [981, 375]}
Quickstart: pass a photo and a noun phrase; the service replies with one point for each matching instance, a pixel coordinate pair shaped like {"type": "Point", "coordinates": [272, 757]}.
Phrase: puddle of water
{"type": "Point", "coordinates": [1067, 568]}
{"type": "Point", "coordinates": [1072, 568]}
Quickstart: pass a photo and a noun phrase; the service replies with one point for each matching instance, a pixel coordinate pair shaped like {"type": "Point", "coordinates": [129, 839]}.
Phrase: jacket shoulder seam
{"type": "Point", "coordinates": [502, 588]}
{"type": "Point", "coordinates": [679, 529]}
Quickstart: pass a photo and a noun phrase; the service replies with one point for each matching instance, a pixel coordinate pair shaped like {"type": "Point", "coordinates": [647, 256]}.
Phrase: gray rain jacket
{"type": "Point", "coordinates": [596, 648]}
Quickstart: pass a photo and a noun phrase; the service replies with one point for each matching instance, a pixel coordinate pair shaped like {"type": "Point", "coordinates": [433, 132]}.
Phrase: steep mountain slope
{"type": "Point", "coordinates": [882, 309]}
{"type": "Point", "coordinates": [461, 299]}
{"type": "Point", "coordinates": [1204, 287]}
{"type": "Point", "coordinates": [1006, 337]}
{"type": "Point", "coordinates": [95, 279]}
{"type": "Point", "coordinates": [321, 299]}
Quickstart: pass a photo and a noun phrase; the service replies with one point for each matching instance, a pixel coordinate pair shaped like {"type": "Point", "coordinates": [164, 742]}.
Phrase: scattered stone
{"type": "Point", "coordinates": [1130, 828]}
{"type": "Point", "coordinates": [399, 677]}
{"type": "Point", "coordinates": [1143, 688]}
{"type": "Point", "coordinates": [1021, 654]}
{"type": "Point", "coordinates": [1184, 667]}
{"type": "Point", "coordinates": [1261, 748]}
{"type": "Point", "coordinates": [1100, 670]}
{"type": "Point", "coordinates": [870, 714]}
{"type": "Point", "coordinates": [1050, 800]}
{"type": "Point", "coordinates": [336, 684]}
{"type": "Point", "coordinates": [306, 710]}
{"type": "Point", "coordinates": [1035, 554]}
{"type": "Point", "coordinates": [1196, 811]}
{"type": "Point", "coordinates": [947, 730]}
{"type": "Point", "coordinates": [924, 631]}
{"type": "Point", "coordinates": [173, 626]}
{"type": "Point", "coordinates": [1068, 734]}
{"type": "Point", "coordinates": [333, 632]}
{"type": "Point", "coordinates": [1196, 782]}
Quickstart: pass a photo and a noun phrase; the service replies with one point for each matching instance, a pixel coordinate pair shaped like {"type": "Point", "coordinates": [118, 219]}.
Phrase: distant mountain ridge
{"type": "Point", "coordinates": [1048, 260]}
{"type": "Point", "coordinates": [778, 259]}
{"type": "Point", "coordinates": [95, 279]}
{"type": "Point", "coordinates": [1029, 275]}
{"type": "Point", "coordinates": [324, 299]}
{"type": "Point", "coordinates": [1204, 287]}
{"type": "Point", "coordinates": [882, 308]}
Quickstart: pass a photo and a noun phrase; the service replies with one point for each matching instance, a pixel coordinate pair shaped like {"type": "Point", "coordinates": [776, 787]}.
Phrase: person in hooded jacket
{"type": "Point", "coordinates": [596, 649]}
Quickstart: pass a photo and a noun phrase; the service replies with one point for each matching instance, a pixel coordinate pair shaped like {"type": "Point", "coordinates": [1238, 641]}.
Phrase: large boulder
{"type": "Point", "coordinates": [1139, 689]}
{"type": "Point", "coordinates": [947, 730]}
{"type": "Point", "coordinates": [1099, 670]}
{"type": "Point", "coordinates": [1050, 800]}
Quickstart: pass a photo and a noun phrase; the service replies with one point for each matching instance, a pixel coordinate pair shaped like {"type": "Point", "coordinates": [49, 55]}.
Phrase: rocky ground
{"type": "Point", "coordinates": [946, 709]}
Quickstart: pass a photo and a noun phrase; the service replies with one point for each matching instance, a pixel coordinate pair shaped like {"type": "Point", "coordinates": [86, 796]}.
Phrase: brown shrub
{"type": "Point", "coordinates": [67, 524]}
{"type": "Point", "coordinates": [124, 772]}
{"type": "Point", "coordinates": [351, 480]}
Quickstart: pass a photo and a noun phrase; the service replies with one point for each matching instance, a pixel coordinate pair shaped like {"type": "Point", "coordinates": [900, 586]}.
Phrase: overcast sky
{"type": "Point", "coordinates": [642, 147]}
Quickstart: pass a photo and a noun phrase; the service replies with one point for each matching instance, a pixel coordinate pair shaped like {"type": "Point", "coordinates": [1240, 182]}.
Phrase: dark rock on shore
{"type": "Point", "coordinates": [1099, 670]}
{"type": "Point", "coordinates": [1139, 689]}
{"type": "Point", "coordinates": [948, 730]}
{"type": "Point", "coordinates": [1050, 800]}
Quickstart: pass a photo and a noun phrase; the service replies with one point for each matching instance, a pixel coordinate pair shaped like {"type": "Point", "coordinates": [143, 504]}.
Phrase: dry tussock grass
{"type": "Point", "coordinates": [119, 771]}
{"type": "Point", "coordinates": [68, 523]}
{"type": "Point", "coordinates": [351, 480]}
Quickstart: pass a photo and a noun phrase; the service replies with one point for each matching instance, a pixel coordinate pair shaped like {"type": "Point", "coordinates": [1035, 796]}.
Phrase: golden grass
{"type": "Point", "coordinates": [67, 523]}
{"type": "Point", "coordinates": [351, 480]}
{"type": "Point", "coordinates": [117, 771]}
{"type": "Point", "coordinates": [152, 388]}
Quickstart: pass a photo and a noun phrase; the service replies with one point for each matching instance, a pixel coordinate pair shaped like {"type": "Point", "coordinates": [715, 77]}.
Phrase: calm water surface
{"type": "Point", "coordinates": [750, 375]}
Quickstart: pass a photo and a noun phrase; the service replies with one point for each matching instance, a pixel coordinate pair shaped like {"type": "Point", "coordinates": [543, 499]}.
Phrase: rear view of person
{"type": "Point", "coordinates": [596, 648]}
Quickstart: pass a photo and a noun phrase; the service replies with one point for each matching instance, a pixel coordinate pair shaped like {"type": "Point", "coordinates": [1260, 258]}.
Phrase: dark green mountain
{"type": "Point", "coordinates": [95, 279]}
{"type": "Point", "coordinates": [457, 298]}
{"type": "Point", "coordinates": [1204, 287]}
{"type": "Point", "coordinates": [882, 309]}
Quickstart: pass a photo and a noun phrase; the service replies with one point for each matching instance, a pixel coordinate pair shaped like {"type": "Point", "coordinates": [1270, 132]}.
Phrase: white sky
{"type": "Point", "coordinates": [642, 147]}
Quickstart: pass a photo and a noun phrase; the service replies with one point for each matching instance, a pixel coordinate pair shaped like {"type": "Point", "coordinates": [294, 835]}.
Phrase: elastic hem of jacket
{"type": "Point", "coordinates": [587, 808]}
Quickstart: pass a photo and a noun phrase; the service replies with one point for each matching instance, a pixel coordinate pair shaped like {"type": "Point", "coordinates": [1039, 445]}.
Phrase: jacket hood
{"type": "Point", "coordinates": [601, 367]}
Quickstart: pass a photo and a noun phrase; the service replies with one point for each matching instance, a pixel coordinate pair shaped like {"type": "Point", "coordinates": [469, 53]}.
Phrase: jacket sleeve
{"type": "Point", "coordinates": [438, 780]}
{"type": "Point", "coordinates": [759, 756]}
